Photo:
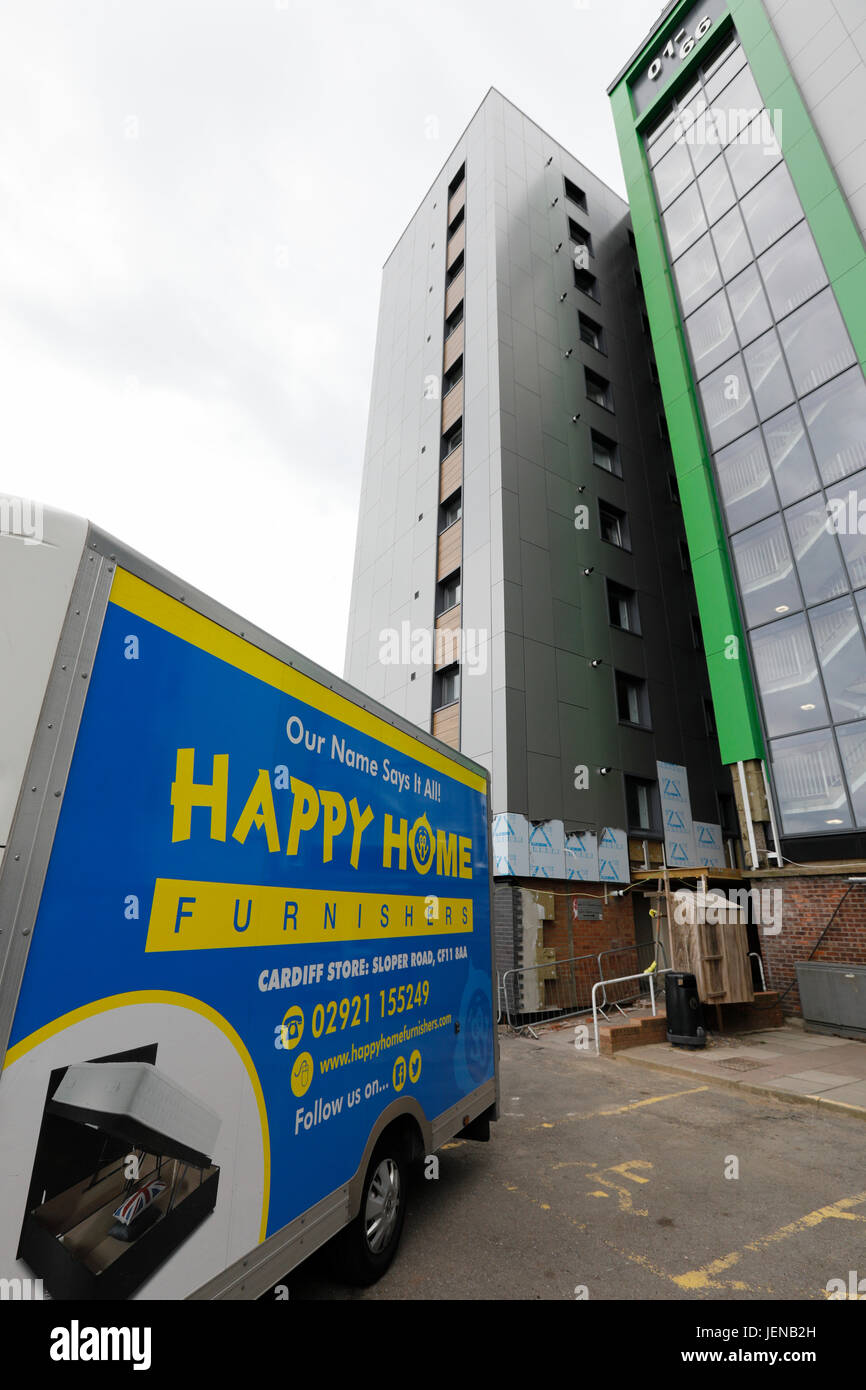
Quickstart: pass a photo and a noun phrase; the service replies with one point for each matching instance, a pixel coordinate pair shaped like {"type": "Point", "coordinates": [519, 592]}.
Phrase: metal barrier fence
{"type": "Point", "coordinates": [560, 989]}
{"type": "Point", "coordinates": [631, 962]}
{"type": "Point", "coordinates": [542, 993]}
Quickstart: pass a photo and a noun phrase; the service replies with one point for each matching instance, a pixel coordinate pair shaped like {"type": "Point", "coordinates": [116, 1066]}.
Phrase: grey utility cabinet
{"type": "Point", "coordinates": [833, 997]}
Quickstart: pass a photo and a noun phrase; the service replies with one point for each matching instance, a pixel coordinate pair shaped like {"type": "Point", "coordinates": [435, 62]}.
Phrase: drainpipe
{"type": "Point", "coordinates": [747, 813]}
{"type": "Point", "coordinates": [774, 853]}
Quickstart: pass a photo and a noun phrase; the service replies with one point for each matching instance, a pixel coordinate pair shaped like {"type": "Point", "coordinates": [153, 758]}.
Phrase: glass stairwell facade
{"type": "Point", "coordinates": [783, 401]}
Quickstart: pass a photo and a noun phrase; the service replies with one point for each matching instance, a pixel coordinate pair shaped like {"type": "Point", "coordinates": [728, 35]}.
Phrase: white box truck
{"type": "Point", "coordinates": [245, 939]}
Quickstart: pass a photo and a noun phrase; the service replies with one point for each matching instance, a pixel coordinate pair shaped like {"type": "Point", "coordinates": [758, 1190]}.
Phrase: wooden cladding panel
{"type": "Point", "coordinates": [451, 473]}
{"type": "Point", "coordinates": [447, 641]}
{"type": "Point", "coordinates": [454, 294]}
{"type": "Point", "coordinates": [446, 724]}
{"type": "Point", "coordinates": [452, 406]}
{"type": "Point", "coordinates": [450, 550]}
{"type": "Point", "coordinates": [456, 244]}
{"type": "Point", "coordinates": [456, 202]}
{"type": "Point", "coordinates": [453, 348]}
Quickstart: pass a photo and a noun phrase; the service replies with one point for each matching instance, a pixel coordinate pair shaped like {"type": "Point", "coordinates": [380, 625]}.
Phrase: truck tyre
{"type": "Point", "coordinates": [367, 1246]}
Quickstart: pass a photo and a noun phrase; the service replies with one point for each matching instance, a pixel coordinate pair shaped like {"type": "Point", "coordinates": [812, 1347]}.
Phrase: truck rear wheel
{"type": "Point", "coordinates": [367, 1246]}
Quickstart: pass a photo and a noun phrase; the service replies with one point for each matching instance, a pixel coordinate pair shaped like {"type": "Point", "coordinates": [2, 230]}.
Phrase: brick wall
{"type": "Point", "coordinates": [574, 938]}
{"type": "Point", "coordinates": [808, 904]}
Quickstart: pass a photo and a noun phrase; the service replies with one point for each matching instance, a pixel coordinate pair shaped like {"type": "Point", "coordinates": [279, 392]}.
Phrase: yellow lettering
{"type": "Point", "coordinates": [359, 825]}
{"type": "Point", "coordinates": [305, 812]}
{"type": "Point", "coordinates": [185, 793]}
{"type": "Point", "coordinates": [465, 857]}
{"type": "Point", "coordinates": [334, 808]}
{"type": "Point", "coordinates": [446, 853]}
{"type": "Point", "coordinates": [259, 811]}
{"type": "Point", "coordinates": [395, 840]}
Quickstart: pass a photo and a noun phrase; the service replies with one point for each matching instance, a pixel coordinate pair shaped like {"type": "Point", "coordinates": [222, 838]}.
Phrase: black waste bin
{"type": "Point", "coordinates": [684, 1011]}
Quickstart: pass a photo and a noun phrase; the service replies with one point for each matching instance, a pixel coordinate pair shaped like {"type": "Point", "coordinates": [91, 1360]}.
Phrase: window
{"type": "Point", "coordinates": [631, 241]}
{"type": "Point", "coordinates": [641, 802]}
{"type": "Point", "coordinates": [685, 562]}
{"type": "Point", "coordinates": [685, 222]}
{"type": "Point", "coordinates": [455, 270]}
{"type": "Point", "coordinates": [697, 634]}
{"type": "Point", "coordinates": [709, 718]}
{"type": "Point", "coordinates": [710, 333]}
{"type": "Point", "coordinates": [673, 490]}
{"type": "Point", "coordinates": [644, 322]}
{"type": "Point", "coordinates": [457, 221]}
{"type": "Point", "coordinates": [654, 372]}
{"type": "Point", "coordinates": [745, 482]}
{"type": "Point", "coordinates": [448, 593]}
{"type": "Point", "coordinates": [457, 180]}
{"type": "Point", "coordinates": [453, 375]}
{"type": "Point", "coordinates": [697, 275]}
{"type": "Point", "coordinates": [816, 342]}
{"type": "Point", "coordinates": [622, 607]}
{"type": "Point", "coordinates": [575, 195]}
{"type": "Point", "coordinates": [614, 525]}
{"type": "Point", "coordinates": [809, 784]}
{"type": "Point", "coordinates": [631, 700]}
{"type": "Point", "coordinates": [446, 687]}
{"type": "Point", "coordinates": [663, 427]}
{"type": "Point", "coordinates": [591, 332]}
{"type": "Point", "coordinates": [792, 270]}
{"type": "Point", "coordinates": [834, 419]}
{"type": "Point", "coordinates": [580, 235]}
{"type": "Point", "coordinates": [605, 454]}
{"type": "Point", "coordinates": [451, 510]}
{"type": "Point", "coordinates": [638, 280]}
{"type": "Point", "coordinates": [587, 284]}
{"type": "Point", "coordinates": [454, 320]}
{"type": "Point", "coordinates": [598, 389]}
{"type": "Point", "coordinates": [453, 439]}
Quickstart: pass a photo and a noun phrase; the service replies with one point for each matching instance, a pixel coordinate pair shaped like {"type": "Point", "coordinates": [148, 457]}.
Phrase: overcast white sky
{"type": "Point", "coordinates": [196, 200]}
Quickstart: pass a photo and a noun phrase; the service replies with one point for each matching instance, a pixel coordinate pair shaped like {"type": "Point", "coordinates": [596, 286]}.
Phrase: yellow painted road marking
{"type": "Point", "coordinates": [836, 1211]}
{"type": "Point", "coordinates": [623, 1109]}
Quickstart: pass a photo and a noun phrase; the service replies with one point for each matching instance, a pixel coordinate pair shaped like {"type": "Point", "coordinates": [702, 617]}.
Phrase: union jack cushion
{"type": "Point", "coordinates": [137, 1201]}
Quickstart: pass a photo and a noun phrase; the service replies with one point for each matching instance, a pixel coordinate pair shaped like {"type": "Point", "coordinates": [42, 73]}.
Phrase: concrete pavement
{"type": "Point", "coordinates": [788, 1062]}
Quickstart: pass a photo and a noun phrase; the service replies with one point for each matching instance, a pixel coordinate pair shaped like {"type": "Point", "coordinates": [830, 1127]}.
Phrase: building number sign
{"type": "Point", "coordinates": [680, 46]}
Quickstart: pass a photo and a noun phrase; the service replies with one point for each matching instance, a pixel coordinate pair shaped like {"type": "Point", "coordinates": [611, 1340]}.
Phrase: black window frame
{"type": "Point", "coordinates": [622, 679]}
{"type": "Point", "coordinates": [617, 592]}
{"type": "Point", "coordinates": [447, 673]}
{"type": "Point", "coordinates": [452, 581]}
{"type": "Point", "coordinates": [571, 188]}
{"type": "Point", "coordinates": [445, 508]}
{"type": "Point", "coordinates": [621, 517]}
{"type": "Point", "coordinates": [453, 376]}
{"type": "Point", "coordinates": [653, 805]}
{"type": "Point", "coordinates": [451, 440]}
{"type": "Point", "coordinates": [581, 236]}
{"type": "Point", "coordinates": [603, 440]}
{"type": "Point", "coordinates": [596, 329]}
{"type": "Point", "coordinates": [593, 379]}
{"type": "Point", "coordinates": [454, 320]}
{"type": "Point", "coordinates": [587, 283]}
{"type": "Point", "coordinates": [455, 270]}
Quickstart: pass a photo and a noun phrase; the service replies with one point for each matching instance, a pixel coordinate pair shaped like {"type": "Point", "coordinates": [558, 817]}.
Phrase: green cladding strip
{"type": "Point", "coordinates": [737, 720]}
{"type": "Point", "coordinates": [841, 248]}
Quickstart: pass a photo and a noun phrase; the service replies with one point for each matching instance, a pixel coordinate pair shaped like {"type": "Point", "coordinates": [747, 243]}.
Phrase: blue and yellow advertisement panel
{"type": "Point", "coordinates": [266, 917]}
